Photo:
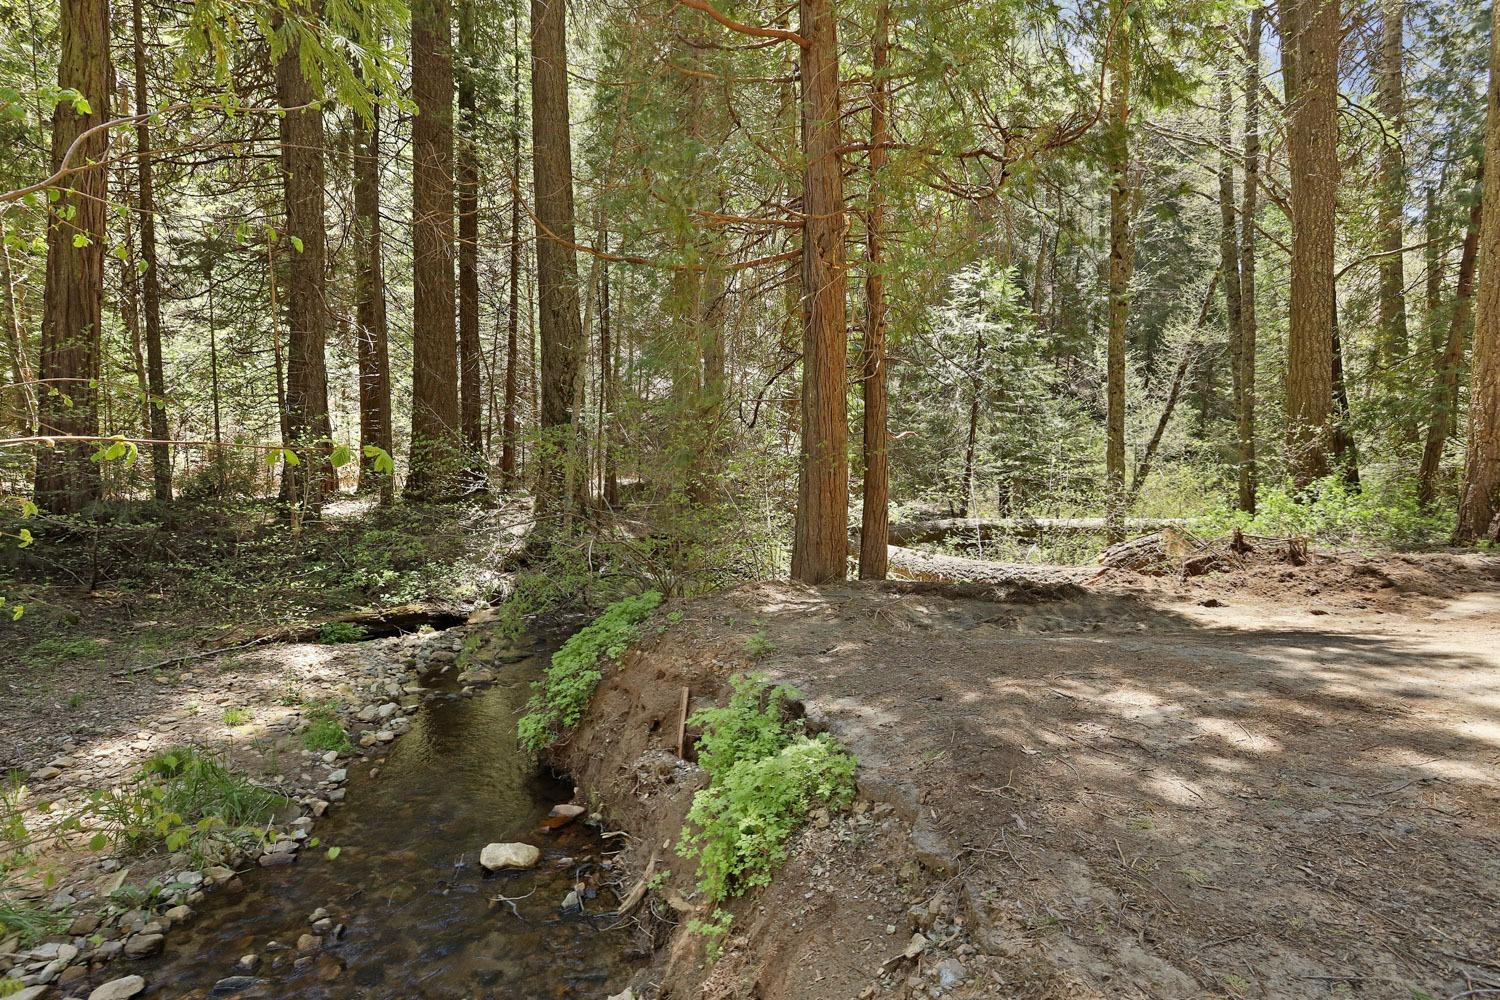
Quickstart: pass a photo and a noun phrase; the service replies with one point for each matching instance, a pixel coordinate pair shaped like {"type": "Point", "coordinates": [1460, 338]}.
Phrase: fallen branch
{"type": "Point", "coordinates": [634, 896]}
{"type": "Point", "coordinates": [187, 658]}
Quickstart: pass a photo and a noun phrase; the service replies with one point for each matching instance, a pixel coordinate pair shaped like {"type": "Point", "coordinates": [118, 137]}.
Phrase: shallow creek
{"type": "Point", "coordinates": [416, 910]}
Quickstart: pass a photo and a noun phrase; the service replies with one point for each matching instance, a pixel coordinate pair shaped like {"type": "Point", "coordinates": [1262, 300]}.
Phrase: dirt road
{"type": "Point", "coordinates": [1284, 783]}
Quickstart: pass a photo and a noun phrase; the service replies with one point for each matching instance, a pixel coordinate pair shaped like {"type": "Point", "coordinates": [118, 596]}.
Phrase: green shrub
{"type": "Point", "coordinates": [324, 735]}
{"type": "Point", "coordinates": [236, 716]}
{"type": "Point", "coordinates": [1330, 511]}
{"type": "Point", "coordinates": [26, 920]}
{"type": "Point", "coordinates": [753, 725]}
{"type": "Point", "coordinates": [335, 633]}
{"type": "Point", "coordinates": [558, 700]}
{"type": "Point", "coordinates": [744, 819]}
{"type": "Point", "coordinates": [181, 799]}
{"type": "Point", "coordinates": [52, 651]}
{"type": "Point", "coordinates": [765, 776]}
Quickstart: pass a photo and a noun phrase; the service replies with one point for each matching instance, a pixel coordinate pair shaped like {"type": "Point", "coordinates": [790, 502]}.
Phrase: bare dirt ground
{"type": "Point", "coordinates": [1279, 782]}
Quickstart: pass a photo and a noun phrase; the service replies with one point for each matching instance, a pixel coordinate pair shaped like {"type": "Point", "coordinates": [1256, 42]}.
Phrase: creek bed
{"type": "Point", "coordinates": [416, 909]}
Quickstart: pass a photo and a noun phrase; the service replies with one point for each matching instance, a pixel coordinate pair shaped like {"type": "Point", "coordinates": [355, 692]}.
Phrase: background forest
{"type": "Point", "coordinates": [1205, 260]}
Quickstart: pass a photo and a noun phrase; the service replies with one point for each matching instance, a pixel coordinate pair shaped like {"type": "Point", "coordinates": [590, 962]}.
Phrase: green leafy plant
{"type": "Point", "coordinates": [26, 920]}
{"type": "Point", "coordinates": [757, 646]}
{"type": "Point", "coordinates": [51, 651]}
{"type": "Point", "coordinates": [181, 799]}
{"type": "Point", "coordinates": [765, 776]}
{"type": "Point", "coordinates": [234, 716]}
{"type": "Point", "coordinates": [324, 735]}
{"type": "Point", "coordinates": [335, 633]}
{"type": "Point", "coordinates": [558, 700]}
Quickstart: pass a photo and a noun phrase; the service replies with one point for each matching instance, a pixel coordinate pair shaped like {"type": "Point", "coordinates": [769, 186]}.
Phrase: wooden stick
{"type": "Point", "coordinates": [682, 725]}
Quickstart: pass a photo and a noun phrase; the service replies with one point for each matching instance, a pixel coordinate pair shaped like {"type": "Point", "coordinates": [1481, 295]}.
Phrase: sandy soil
{"type": "Point", "coordinates": [1280, 782]}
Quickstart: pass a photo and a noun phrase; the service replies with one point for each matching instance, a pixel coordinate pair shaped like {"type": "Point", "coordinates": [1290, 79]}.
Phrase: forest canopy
{"type": "Point", "coordinates": [766, 278]}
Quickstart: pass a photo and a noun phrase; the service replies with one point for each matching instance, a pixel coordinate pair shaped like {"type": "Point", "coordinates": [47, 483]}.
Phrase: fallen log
{"type": "Point", "coordinates": [941, 529]}
{"type": "Point", "coordinates": [912, 564]}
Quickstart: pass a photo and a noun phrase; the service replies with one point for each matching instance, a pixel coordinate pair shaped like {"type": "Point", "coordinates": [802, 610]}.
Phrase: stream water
{"type": "Point", "coordinates": [416, 909]}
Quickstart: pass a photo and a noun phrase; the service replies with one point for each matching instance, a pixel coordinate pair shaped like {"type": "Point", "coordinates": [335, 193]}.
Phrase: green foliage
{"type": "Point", "coordinates": [558, 701]}
{"type": "Point", "coordinates": [325, 735]}
{"type": "Point", "coordinates": [751, 726]}
{"type": "Point", "coordinates": [1330, 511]}
{"type": "Point", "coordinates": [26, 920]}
{"type": "Point", "coordinates": [181, 799]}
{"type": "Point", "coordinates": [52, 651]}
{"type": "Point", "coordinates": [765, 776]}
{"type": "Point", "coordinates": [334, 633]}
{"type": "Point", "coordinates": [234, 716]}
{"type": "Point", "coordinates": [758, 645]}
{"type": "Point", "coordinates": [14, 834]}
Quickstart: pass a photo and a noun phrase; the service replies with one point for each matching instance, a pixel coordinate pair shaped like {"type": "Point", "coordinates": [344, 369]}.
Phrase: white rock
{"type": "Point", "coordinates": [30, 993]}
{"type": "Point", "coordinates": [497, 856]}
{"type": "Point", "coordinates": [119, 989]}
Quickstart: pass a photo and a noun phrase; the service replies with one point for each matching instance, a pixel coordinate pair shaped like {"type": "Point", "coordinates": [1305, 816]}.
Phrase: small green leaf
{"type": "Point", "coordinates": [98, 842]}
{"type": "Point", "coordinates": [340, 457]}
{"type": "Point", "coordinates": [25, 537]}
{"type": "Point", "coordinates": [334, 852]}
{"type": "Point", "coordinates": [297, 243]}
{"type": "Point", "coordinates": [80, 241]}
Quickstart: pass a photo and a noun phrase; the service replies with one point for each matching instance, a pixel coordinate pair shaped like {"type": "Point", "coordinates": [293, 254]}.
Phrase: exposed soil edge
{"type": "Point", "coordinates": [623, 757]}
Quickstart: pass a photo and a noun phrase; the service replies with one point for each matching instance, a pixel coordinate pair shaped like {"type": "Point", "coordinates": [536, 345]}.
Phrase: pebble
{"type": "Point", "coordinates": [309, 942]}
{"type": "Point", "coordinates": [247, 963]}
{"type": "Point", "coordinates": [951, 972]}
{"type": "Point", "coordinates": [119, 989]}
{"type": "Point", "coordinates": [141, 945]}
{"type": "Point", "coordinates": [497, 856]}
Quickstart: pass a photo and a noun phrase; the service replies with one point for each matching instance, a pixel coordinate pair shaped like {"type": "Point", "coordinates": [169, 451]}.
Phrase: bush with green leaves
{"type": "Point", "coordinates": [323, 735]}
{"type": "Point", "coordinates": [559, 699]}
{"type": "Point", "coordinates": [1331, 511]}
{"type": "Point", "coordinates": [335, 633]}
{"type": "Point", "coordinates": [766, 774]}
{"type": "Point", "coordinates": [27, 921]}
{"type": "Point", "coordinates": [180, 799]}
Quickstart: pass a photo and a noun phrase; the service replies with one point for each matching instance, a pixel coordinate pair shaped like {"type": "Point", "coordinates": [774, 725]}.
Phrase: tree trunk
{"type": "Point", "coordinates": [372, 336]}
{"type": "Point", "coordinates": [1310, 30]}
{"type": "Point", "coordinates": [436, 444]}
{"type": "Point", "coordinates": [67, 480]}
{"type": "Point", "coordinates": [302, 171]}
{"type": "Point", "coordinates": [875, 506]}
{"type": "Point", "coordinates": [1390, 100]}
{"type": "Point", "coordinates": [15, 339]}
{"type": "Point", "coordinates": [971, 439]}
{"type": "Point", "coordinates": [469, 354]}
{"type": "Point", "coordinates": [1190, 352]}
{"type": "Point", "coordinates": [1344, 445]}
{"type": "Point", "coordinates": [1229, 249]}
{"type": "Point", "coordinates": [608, 394]}
{"type": "Point", "coordinates": [1249, 210]}
{"type": "Point", "coordinates": [1121, 263]}
{"type": "Point", "coordinates": [1445, 378]}
{"type": "Point", "coordinates": [559, 463]}
{"type": "Point", "coordinates": [819, 546]}
{"type": "Point", "coordinates": [1481, 494]}
{"type": "Point", "coordinates": [513, 319]}
{"type": "Point", "coordinates": [1432, 268]}
{"type": "Point", "coordinates": [161, 452]}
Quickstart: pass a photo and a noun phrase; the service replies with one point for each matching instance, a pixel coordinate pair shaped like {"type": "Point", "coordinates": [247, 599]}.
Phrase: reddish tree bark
{"type": "Point", "coordinates": [820, 543]}
{"type": "Point", "coordinates": [67, 480]}
{"type": "Point", "coordinates": [303, 178]}
{"type": "Point", "coordinates": [436, 442]}
{"type": "Point", "coordinates": [875, 514]}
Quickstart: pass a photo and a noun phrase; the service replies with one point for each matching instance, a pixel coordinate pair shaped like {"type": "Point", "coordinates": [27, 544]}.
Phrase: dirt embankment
{"type": "Point", "coordinates": [1230, 787]}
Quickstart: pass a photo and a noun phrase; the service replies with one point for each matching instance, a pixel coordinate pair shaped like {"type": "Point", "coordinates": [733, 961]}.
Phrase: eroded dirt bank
{"type": "Point", "coordinates": [1245, 786]}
